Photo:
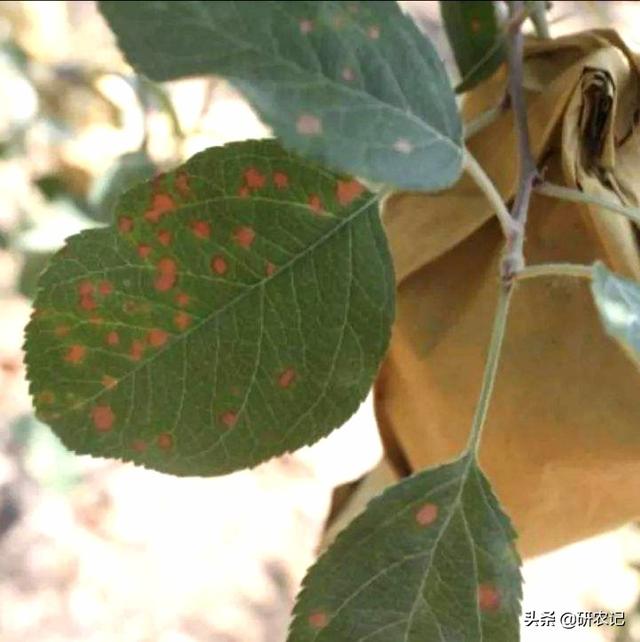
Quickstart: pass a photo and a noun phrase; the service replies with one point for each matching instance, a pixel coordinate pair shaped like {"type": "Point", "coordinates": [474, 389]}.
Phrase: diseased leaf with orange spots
{"type": "Point", "coordinates": [475, 36]}
{"type": "Point", "coordinates": [431, 559]}
{"type": "Point", "coordinates": [221, 320]}
{"type": "Point", "coordinates": [352, 84]}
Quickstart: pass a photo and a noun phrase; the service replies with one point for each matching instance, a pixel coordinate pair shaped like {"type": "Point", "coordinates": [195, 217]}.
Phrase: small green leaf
{"type": "Point", "coordinates": [476, 39]}
{"type": "Point", "coordinates": [618, 302]}
{"type": "Point", "coordinates": [352, 84]}
{"type": "Point", "coordinates": [431, 559]}
{"type": "Point", "coordinates": [238, 308]}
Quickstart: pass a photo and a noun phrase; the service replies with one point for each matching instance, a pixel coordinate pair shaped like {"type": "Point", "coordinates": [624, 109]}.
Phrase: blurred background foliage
{"type": "Point", "coordinates": [96, 551]}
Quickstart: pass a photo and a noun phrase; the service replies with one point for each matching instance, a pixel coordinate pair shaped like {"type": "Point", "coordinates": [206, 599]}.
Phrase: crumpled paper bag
{"type": "Point", "coordinates": [561, 444]}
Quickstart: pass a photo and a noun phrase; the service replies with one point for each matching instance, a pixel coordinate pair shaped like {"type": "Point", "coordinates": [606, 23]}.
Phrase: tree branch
{"type": "Point", "coordinates": [513, 260]}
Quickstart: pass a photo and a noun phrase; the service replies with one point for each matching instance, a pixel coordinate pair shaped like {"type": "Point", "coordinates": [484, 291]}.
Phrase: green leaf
{"type": "Point", "coordinates": [352, 84]}
{"type": "Point", "coordinates": [431, 559]}
{"type": "Point", "coordinates": [238, 308]}
{"type": "Point", "coordinates": [618, 302]}
{"type": "Point", "coordinates": [476, 39]}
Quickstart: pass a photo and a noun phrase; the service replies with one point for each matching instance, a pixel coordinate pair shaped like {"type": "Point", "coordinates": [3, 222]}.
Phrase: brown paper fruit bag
{"type": "Point", "coordinates": [562, 440]}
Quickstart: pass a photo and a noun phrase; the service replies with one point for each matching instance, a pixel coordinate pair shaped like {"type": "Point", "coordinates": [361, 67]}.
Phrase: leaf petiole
{"type": "Point", "coordinates": [490, 369]}
{"type": "Point", "coordinates": [555, 269]}
{"type": "Point", "coordinates": [474, 169]}
{"type": "Point", "coordinates": [485, 119]}
{"type": "Point", "coordinates": [569, 194]}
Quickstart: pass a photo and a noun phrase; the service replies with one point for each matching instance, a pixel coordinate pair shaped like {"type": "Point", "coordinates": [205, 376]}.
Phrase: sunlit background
{"type": "Point", "coordinates": [96, 551]}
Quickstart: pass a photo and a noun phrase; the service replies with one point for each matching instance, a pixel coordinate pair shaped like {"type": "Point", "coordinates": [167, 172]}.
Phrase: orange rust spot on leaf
{"type": "Point", "coordinates": [318, 620]}
{"type": "Point", "coordinates": [85, 288]}
{"type": "Point", "coordinates": [201, 229]}
{"type": "Point", "coordinates": [229, 418]}
{"type": "Point", "coordinates": [166, 277]}
{"type": "Point", "coordinates": [280, 180]}
{"type": "Point", "coordinates": [157, 337]}
{"type": "Point", "coordinates": [144, 250]}
{"type": "Point", "coordinates": [87, 302]}
{"type": "Point", "coordinates": [315, 203]}
{"type": "Point", "coordinates": [308, 125]}
{"type": "Point", "coordinates": [46, 397]}
{"type": "Point", "coordinates": [488, 597]}
{"type": "Point", "coordinates": [161, 204]}
{"type": "Point", "coordinates": [182, 320]}
{"type": "Point", "coordinates": [373, 32]}
{"type": "Point", "coordinates": [165, 282]}
{"type": "Point", "coordinates": [182, 299]}
{"type": "Point", "coordinates": [125, 224]}
{"type": "Point", "coordinates": [165, 441]}
{"type": "Point", "coordinates": [306, 26]}
{"type": "Point", "coordinates": [270, 268]}
{"type": "Point", "coordinates": [475, 25]}
{"type": "Point", "coordinates": [219, 265]}
{"type": "Point", "coordinates": [348, 191]}
{"type": "Point", "coordinates": [138, 445]}
{"type": "Point", "coordinates": [105, 288]}
{"type": "Point", "coordinates": [243, 192]}
{"type": "Point", "coordinates": [137, 349]}
{"type": "Point", "coordinates": [75, 354]}
{"type": "Point", "coordinates": [62, 330]}
{"type": "Point", "coordinates": [254, 179]}
{"type": "Point", "coordinates": [113, 338]}
{"type": "Point", "coordinates": [347, 74]}
{"type": "Point", "coordinates": [166, 265]}
{"type": "Point", "coordinates": [96, 320]}
{"type": "Point", "coordinates": [427, 514]}
{"type": "Point", "coordinates": [164, 237]}
{"type": "Point", "coordinates": [103, 418]}
{"type": "Point", "coordinates": [285, 379]}
{"type": "Point", "coordinates": [182, 184]}
{"type": "Point", "coordinates": [109, 382]}
{"type": "Point", "coordinates": [244, 236]}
